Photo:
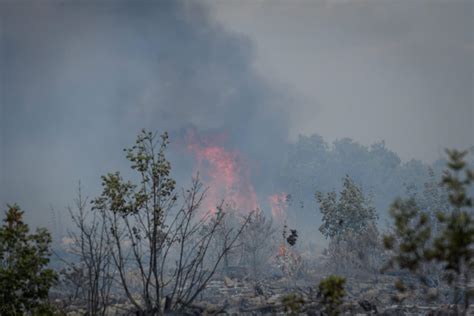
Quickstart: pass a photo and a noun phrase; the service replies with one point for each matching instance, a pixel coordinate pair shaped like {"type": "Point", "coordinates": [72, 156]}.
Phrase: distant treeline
{"type": "Point", "coordinates": [311, 164]}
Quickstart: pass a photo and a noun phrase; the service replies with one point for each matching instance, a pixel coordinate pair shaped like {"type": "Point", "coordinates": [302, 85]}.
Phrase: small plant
{"type": "Point", "coordinates": [293, 303]}
{"type": "Point", "coordinates": [331, 291]}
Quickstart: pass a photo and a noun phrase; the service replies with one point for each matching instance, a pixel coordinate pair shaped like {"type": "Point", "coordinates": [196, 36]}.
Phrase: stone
{"type": "Point", "coordinates": [432, 293]}
{"type": "Point", "coordinates": [228, 282]}
{"type": "Point", "coordinates": [274, 299]}
{"type": "Point", "coordinates": [368, 306]}
{"type": "Point", "coordinates": [258, 289]}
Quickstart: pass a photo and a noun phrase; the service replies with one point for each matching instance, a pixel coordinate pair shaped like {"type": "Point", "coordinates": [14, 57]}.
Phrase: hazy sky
{"type": "Point", "coordinates": [401, 71]}
{"type": "Point", "coordinates": [78, 79]}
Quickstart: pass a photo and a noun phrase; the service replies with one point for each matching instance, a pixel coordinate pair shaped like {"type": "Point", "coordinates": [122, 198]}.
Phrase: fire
{"type": "Point", "coordinates": [278, 206]}
{"type": "Point", "coordinates": [224, 172]}
{"type": "Point", "coordinates": [281, 250]}
{"type": "Point", "coordinates": [227, 176]}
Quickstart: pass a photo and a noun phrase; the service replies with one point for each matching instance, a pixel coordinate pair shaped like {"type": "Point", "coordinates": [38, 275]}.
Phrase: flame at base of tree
{"type": "Point", "coordinates": [282, 250]}
{"type": "Point", "coordinates": [288, 260]}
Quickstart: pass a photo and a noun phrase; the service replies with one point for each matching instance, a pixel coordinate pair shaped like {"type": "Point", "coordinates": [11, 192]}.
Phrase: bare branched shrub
{"type": "Point", "coordinates": [87, 278]}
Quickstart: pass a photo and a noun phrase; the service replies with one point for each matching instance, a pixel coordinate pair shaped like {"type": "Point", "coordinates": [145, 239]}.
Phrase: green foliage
{"type": "Point", "coordinates": [24, 279]}
{"type": "Point", "coordinates": [156, 186]}
{"type": "Point", "coordinates": [349, 221]}
{"type": "Point", "coordinates": [352, 213]}
{"type": "Point", "coordinates": [412, 233]}
{"type": "Point", "coordinates": [293, 303]}
{"type": "Point", "coordinates": [135, 212]}
{"type": "Point", "coordinates": [332, 292]}
{"type": "Point", "coordinates": [452, 244]}
{"type": "Point", "coordinates": [454, 247]}
{"type": "Point", "coordinates": [312, 164]}
{"type": "Point", "coordinates": [160, 250]}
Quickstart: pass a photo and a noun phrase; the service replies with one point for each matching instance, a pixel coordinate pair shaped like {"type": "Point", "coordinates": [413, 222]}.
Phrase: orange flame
{"type": "Point", "coordinates": [224, 172]}
{"type": "Point", "coordinates": [278, 206]}
{"type": "Point", "coordinates": [281, 250]}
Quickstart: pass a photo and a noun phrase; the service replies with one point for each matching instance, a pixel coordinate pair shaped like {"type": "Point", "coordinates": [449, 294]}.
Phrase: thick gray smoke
{"type": "Point", "coordinates": [80, 79]}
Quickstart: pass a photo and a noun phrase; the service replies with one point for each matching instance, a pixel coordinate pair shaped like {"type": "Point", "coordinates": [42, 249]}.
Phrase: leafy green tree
{"type": "Point", "coordinates": [349, 221]}
{"type": "Point", "coordinates": [25, 279]}
{"type": "Point", "coordinates": [352, 213]}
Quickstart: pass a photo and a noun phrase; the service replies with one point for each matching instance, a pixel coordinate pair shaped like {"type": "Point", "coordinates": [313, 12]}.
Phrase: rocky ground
{"type": "Point", "coordinates": [239, 296]}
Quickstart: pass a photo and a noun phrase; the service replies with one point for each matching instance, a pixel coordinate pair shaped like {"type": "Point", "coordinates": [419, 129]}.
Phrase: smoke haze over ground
{"type": "Point", "coordinates": [80, 79]}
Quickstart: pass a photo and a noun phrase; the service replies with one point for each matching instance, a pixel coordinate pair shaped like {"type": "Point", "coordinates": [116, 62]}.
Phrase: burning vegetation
{"type": "Point", "coordinates": [145, 247]}
{"type": "Point", "coordinates": [226, 174]}
{"type": "Point", "coordinates": [223, 171]}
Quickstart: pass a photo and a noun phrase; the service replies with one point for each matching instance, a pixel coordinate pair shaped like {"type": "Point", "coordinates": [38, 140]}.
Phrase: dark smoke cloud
{"type": "Point", "coordinates": [80, 79]}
